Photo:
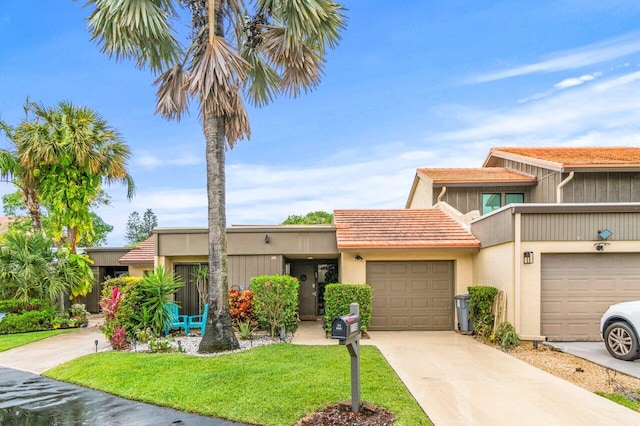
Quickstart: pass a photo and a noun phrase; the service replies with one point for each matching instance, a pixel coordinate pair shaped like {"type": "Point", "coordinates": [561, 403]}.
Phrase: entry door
{"type": "Point", "coordinates": [307, 293]}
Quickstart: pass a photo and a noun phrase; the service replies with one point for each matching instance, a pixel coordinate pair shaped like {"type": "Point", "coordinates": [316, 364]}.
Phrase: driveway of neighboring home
{"type": "Point", "coordinates": [596, 352]}
{"type": "Point", "coordinates": [458, 380]}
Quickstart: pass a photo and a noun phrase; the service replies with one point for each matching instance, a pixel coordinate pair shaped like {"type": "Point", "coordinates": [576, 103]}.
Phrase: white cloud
{"type": "Point", "coordinates": [563, 117]}
{"type": "Point", "coordinates": [150, 160]}
{"type": "Point", "coordinates": [577, 81]}
{"type": "Point", "coordinates": [589, 55]}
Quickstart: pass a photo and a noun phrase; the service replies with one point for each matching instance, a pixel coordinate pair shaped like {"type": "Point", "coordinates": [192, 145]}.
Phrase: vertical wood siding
{"type": "Point", "coordinates": [580, 226]}
{"type": "Point", "coordinates": [243, 268]}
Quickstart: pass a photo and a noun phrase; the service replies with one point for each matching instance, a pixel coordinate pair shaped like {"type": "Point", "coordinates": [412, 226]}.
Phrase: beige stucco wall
{"type": "Point", "coordinates": [422, 196]}
{"type": "Point", "coordinates": [355, 271]}
{"type": "Point", "coordinates": [139, 270]}
{"type": "Point", "coordinates": [502, 267]}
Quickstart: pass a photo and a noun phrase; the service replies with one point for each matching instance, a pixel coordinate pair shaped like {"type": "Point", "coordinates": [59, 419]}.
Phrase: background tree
{"type": "Point", "coordinates": [30, 267]}
{"type": "Point", "coordinates": [13, 207]}
{"type": "Point", "coordinates": [311, 218]}
{"type": "Point", "coordinates": [71, 151]}
{"type": "Point", "coordinates": [260, 49]}
{"type": "Point", "coordinates": [140, 229]}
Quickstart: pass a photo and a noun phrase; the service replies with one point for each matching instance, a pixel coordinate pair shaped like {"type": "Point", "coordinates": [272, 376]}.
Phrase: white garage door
{"type": "Point", "coordinates": [411, 295]}
{"type": "Point", "coordinates": [578, 288]}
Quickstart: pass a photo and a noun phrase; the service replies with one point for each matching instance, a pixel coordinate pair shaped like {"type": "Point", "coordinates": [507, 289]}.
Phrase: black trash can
{"type": "Point", "coordinates": [462, 309]}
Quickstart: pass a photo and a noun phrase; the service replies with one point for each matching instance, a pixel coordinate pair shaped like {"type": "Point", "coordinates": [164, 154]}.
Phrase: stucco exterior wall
{"type": "Point", "coordinates": [502, 267]}
{"type": "Point", "coordinates": [422, 196]}
{"type": "Point", "coordinates": [139, 270]}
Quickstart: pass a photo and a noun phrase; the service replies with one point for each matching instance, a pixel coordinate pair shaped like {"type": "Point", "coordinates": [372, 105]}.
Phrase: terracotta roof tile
{"type": "Point", "coordinates": [475, 175]}
{"type": "Point", "coordinates": [405, 228]}
{"type": "Point", "coordinates": [143, 254]}
{"type": "Point", "coordinates": [577, 156]}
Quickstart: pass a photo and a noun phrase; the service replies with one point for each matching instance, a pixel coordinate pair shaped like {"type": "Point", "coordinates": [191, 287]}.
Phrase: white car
{"type": "Point", "coordinates": [619, 328]}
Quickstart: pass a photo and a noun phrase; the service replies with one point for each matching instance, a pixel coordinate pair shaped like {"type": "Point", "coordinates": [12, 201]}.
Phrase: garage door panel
{"type": "Point", "coordinates": [410, 295]}
{"type": "Point", "coordinates": [576, 289]}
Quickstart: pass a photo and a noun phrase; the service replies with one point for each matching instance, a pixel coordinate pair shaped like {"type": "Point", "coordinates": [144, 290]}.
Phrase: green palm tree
{"type": "Point", "coordinates": [11, 169]}
{"type": "Point", "coordinates": [260, 49]}
{"type": "Point", "coordinates": [70, 152]}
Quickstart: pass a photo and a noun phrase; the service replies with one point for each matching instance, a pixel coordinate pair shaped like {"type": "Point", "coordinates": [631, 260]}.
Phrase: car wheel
{"type": "Point", "coordinates": [621, 341]}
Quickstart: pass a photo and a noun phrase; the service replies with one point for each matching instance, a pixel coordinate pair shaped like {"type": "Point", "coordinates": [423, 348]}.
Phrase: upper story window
{"type": "Point", "coordinates": [493, 201]}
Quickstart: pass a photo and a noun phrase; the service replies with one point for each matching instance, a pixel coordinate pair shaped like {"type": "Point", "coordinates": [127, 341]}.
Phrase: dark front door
{"type": "Point", "coordinates": [305, 272]}
{"type": "Point", "coordinates": [187, 297]}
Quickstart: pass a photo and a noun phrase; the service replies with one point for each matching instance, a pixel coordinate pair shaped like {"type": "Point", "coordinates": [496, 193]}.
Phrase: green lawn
{"type": "Point", "coordinates": [269, 385]}
{"type": "Point", "coordinates": [10, 341]}
{"type": "Point", "coordinates": [622, 400]}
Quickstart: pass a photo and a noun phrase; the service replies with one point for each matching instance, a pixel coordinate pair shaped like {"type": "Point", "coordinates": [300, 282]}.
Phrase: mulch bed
{"type": "Point", "coordinates": [341, 415]}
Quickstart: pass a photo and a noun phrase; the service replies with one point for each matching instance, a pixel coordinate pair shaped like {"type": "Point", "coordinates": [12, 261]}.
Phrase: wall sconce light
{"type": "Point", "coordinates": [605, 234]}
{"type": "Point", "coordinates": [266, 238]}
{"type": "Point", "coordinates": [528, 257]}
{"type": "Point", "coordinates": [600, 246]}
{"type": "Point", "coordinates": [357, 257]}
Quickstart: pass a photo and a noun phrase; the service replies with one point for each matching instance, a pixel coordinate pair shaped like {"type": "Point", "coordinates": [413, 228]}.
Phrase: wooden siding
{"type": "Point", "coordinates": [106, 257]}
{"type": "Point", "coordinates": [243, 268]}
{"type": "Point", "coordinates": [466, 199]}
{"type": "Point", "coordinates": [183, 244]}
{"type": "Point", "coordinates": [579, 226]}
{"type": "Point", "coordinates": [495, 229]}
{"type": "Point", "coordinates": [612, 187]}
{"type": "Point", "coordinates": [548, 181]}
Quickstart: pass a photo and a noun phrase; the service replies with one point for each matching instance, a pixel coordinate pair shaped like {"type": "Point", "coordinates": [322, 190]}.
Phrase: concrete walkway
{"type": "Point", "coordinates": [459, 381]}
{"type": "Point", "coordinates": [44, 354]}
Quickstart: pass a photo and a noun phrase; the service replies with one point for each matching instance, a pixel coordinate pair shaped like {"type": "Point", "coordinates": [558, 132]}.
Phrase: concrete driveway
{"type": "Point", "coordinates": [596, 352]}
{"type": "Point", "coordinates": [459, 381]}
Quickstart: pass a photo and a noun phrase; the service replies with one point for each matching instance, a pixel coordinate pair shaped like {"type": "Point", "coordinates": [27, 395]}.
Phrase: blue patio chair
{"type": "Point", "coordinates": [177, 321]}
{"type": "Point", "coordinates": [199, 321]}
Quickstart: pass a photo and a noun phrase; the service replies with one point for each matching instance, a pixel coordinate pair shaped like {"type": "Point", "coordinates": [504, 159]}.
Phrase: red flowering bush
{"type": "Point", "coordinates": [241, 306]}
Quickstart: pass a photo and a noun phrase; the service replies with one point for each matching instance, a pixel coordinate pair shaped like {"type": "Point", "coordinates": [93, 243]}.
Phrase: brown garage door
{"type": "Point", "coordinates": [578, 288]}
{"type": "Point", "coordinates": [411, 295]}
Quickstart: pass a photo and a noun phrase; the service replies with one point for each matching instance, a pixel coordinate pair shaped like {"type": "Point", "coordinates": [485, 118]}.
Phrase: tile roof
{"type": "Point", "coordinates": [573, 157]}
{"type": "Point", "coordinates": [143, 254]}
{"type": "Point", "coordinates": [475, 175]}
{"type": "Point", "coordinates": [402, 228]}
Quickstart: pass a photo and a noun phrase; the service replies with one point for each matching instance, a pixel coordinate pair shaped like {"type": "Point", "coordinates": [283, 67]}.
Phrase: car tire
{"type": "Point", "coordinates": [621, 341]}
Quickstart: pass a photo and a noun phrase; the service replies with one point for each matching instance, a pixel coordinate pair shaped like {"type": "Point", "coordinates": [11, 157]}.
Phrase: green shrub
{"type": "Point", "coordinates": [275, 302]}
{"type": "Point", "coordinates": [480, 305]}
{"type": "Point", "coordinates": [506, 336]}
{"type": "Point", "coordinates": [157, 289]}
{"type": "Point", "coordinates": [129, 309]}
{"type": "Point", "coordinates": [28, 321]}
{"type": "Point", "coordinates": [14, 306]}
{"type": "Point", "coordinates": [339, 297]}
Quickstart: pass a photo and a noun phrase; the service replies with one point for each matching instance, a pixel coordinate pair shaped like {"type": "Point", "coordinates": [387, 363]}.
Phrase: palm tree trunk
{"type": "Point", "coordinates": [31, 202]}
{"type": "Point", "coordinates": [219, 335]}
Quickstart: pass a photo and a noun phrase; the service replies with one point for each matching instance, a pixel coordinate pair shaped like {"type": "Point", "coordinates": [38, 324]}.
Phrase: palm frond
{"type": "Point", "coordinates": [135, 29]}
{"type": "Point", "coordinates": [263, 84]}
{"type": "Point", "coordinates": [217, 73]}
{"type": "Point", "coordinates": [173, 92]}
{"type": "Point", "coordinates": [302, 66]}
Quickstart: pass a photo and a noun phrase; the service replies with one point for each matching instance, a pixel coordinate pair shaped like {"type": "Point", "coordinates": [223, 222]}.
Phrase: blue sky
{"type": "Point", "coordinates": [413, 84]}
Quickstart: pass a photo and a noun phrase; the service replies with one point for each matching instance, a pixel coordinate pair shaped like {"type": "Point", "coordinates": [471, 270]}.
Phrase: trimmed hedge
{"type": "Point", "coordinates": [12, 306]}
{"type": "Point", "coordinates": [28, 321]}
{"type": "Point", "coordinates": [480, 305]}
{"type": "Point", "coordinates": [338, 297]}
{"type": "Point", "coordinates": [275, 302]}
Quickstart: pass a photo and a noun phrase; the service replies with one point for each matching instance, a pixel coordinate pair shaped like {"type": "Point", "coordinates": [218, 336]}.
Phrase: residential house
{"type": "Point", "coordinates": [558, 229]}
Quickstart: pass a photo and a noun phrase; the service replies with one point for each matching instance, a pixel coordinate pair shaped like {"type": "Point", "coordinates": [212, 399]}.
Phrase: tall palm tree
{"type": "Point", "coordinates": [71, 151]}
{"type": "Point", "coordinates": [259, 48]}
{"type": "Point", "coordinates": [11, 169]}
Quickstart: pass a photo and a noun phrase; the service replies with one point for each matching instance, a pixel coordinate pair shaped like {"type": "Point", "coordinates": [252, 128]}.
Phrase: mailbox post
{"type": "Point", "coordinates": [347, 330]}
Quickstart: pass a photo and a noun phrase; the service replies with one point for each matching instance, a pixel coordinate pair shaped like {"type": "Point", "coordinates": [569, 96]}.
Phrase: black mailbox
{"type": "Point", "coordinates": [346, 327]}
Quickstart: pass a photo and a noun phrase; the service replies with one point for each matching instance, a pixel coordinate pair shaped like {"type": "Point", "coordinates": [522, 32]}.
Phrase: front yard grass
{"type": "Point", "coordinates": [269, 385]}
{"type": "Point", "coordinates": [10, 341]}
